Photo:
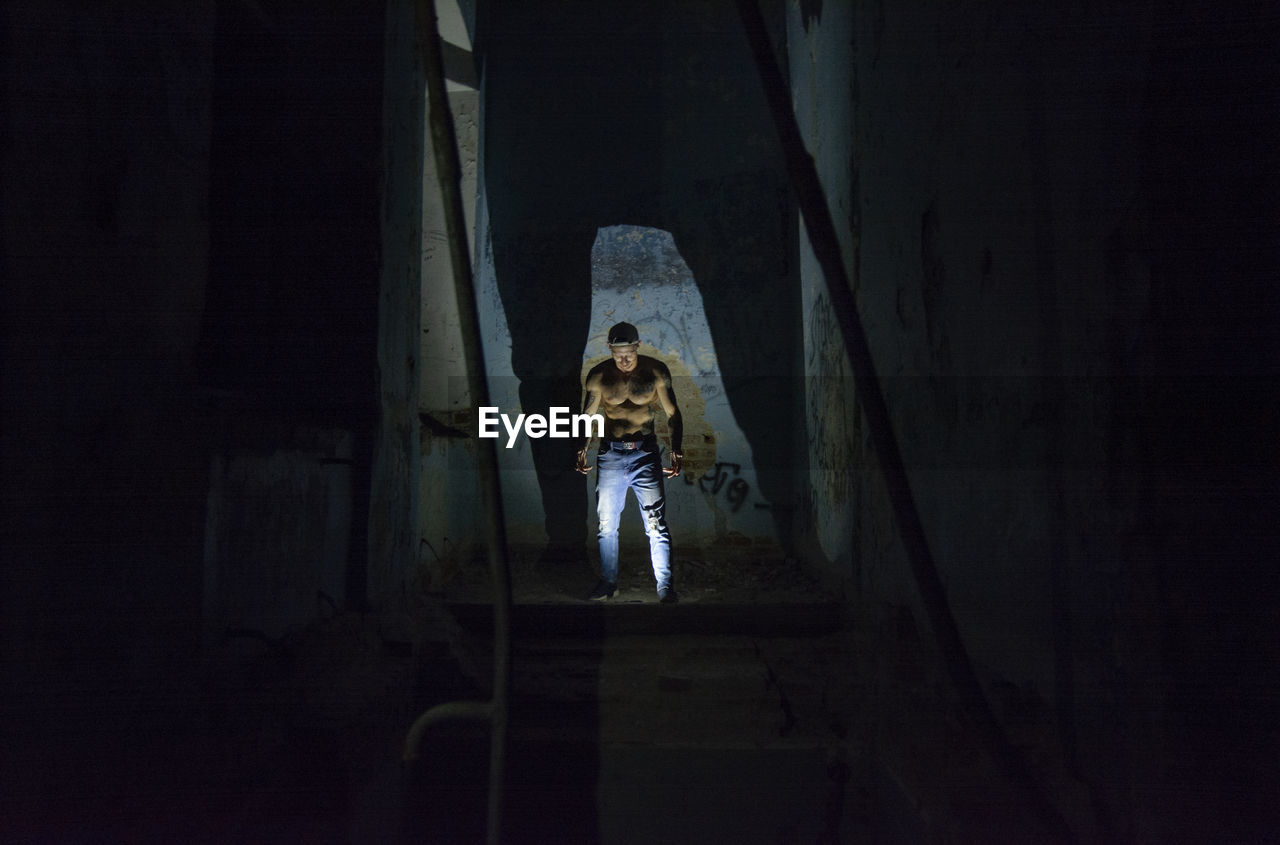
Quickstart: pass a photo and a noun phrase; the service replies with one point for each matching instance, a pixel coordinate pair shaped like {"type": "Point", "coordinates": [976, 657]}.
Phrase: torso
{"type": "Point", "coordinates": [626, 399]}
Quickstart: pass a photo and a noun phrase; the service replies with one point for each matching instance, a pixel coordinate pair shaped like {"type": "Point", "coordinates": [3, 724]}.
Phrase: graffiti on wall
{"type": "Point", "coordinates": [832, 420]}
{"type": "Point", "coordinates": [736, 489]}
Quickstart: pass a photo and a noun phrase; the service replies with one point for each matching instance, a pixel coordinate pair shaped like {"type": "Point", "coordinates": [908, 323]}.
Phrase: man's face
{"type": "Point", "coordinates": [624, 357]}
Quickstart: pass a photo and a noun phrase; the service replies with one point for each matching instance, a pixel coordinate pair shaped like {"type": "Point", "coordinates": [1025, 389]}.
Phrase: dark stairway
{"type": "Point", "coordinates": [640, 723]}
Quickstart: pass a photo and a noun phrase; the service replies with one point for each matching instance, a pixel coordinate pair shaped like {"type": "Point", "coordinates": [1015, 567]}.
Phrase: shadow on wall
{"type": "Point", "coordinates": [653, 118]}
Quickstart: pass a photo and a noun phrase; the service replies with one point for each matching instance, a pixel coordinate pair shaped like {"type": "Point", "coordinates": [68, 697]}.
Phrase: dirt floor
{"type": "Point", "coordinates": [729, 574]}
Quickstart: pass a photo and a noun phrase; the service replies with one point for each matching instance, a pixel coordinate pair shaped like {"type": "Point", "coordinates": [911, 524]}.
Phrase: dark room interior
{"type": "Point", "coordinates": [970, 311]}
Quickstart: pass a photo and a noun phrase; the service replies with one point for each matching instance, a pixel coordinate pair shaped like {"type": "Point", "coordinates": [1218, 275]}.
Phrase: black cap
{"type": "Point", "coordinates": [623, 334]}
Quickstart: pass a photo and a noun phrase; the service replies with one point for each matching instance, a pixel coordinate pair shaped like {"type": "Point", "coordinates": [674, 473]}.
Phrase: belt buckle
{"type": "Point", "coordinates": [630, 445]}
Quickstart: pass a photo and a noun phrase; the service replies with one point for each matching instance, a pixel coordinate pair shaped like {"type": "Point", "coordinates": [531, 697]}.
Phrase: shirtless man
{"type": "Point", "coordinates": [624, 389]}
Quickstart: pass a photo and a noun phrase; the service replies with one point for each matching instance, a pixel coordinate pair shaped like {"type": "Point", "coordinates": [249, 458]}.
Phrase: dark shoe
{"type": "Point", "coordinates": [604, 590]}
{"type": "Point", "coordinates": [668, 595]}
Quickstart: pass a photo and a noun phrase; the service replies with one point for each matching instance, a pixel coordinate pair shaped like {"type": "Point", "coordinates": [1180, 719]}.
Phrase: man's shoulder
{"type": "Point", "coordinates": [654, 365]}
{"type": "Point", "coordinates": [599, 370]}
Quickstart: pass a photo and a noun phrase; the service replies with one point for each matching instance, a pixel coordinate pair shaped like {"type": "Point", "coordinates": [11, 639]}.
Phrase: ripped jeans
{"type": "Point", "coordinates": [619, 469]}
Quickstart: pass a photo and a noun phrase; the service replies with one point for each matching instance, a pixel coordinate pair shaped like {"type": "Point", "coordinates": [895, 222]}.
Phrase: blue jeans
{"type": "Point", "coordinates": [619, 469]}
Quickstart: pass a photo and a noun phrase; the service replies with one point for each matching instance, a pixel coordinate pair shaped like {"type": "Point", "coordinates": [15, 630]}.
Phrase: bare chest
{"type": "Point", "coordinates": [637, 389]}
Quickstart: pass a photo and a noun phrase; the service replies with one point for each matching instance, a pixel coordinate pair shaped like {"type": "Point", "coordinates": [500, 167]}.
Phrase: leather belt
{"type": "Point", "coordinates": [630, 445]}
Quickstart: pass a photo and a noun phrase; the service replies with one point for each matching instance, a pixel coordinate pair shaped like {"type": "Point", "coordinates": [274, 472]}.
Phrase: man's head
{"type": "Point", "coordinates": [624, 343]}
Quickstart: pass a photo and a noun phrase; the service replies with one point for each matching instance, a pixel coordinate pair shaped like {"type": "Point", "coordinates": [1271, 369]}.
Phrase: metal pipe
{"type": "Point", "coordinates": [448, 172]}
{"type": "Point", "coordinates": [826, 248]}
{"type": "Point", "coordinates": [452, 710]}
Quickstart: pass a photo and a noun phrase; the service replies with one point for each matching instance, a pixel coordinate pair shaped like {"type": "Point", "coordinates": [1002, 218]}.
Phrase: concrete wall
{"type": "Point", "coordinates": [975, 192]}
{"type": "Point", "coordinates": [277, 536]}
{"type": "Point", "coordinates": [450, 494]}
{"type": "Point", "coordinates": [820, 52]}
{"type": "Point", "coordinates": [104, 255]}
{"type": "Point", "coordinates": [548, 188]}
{"type": "Point", "coordinates": [976, 162]}
{"type": "Point", "coordinates": [976, 198]}
{"type": "Point", "coordinates": [998, 174]}
{"type": "Point", "coordinates": [189, 264]}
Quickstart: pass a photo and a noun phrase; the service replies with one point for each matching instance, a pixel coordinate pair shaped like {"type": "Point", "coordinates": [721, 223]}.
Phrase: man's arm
{"type": "Point", "coordinates": [590, 405]}
{"type": "Point", "coordinates": [675, 423]}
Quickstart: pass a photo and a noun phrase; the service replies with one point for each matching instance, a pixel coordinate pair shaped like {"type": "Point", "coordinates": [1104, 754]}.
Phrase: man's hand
{"type": "Point", "coordinates": [673, 470]}
{"type": "Point", "coordinates": [582, 466]}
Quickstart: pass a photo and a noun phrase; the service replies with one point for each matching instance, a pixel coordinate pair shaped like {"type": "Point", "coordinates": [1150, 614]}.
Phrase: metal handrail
{"type": "Point", "coordinates": [448, 172]}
